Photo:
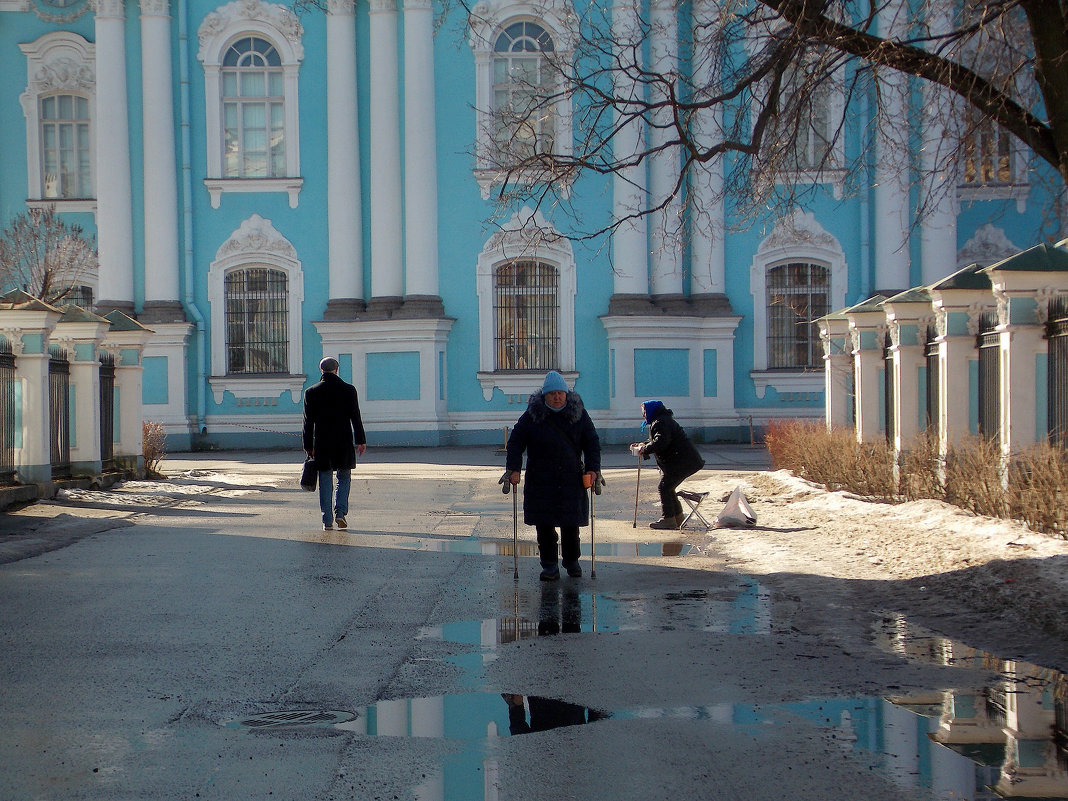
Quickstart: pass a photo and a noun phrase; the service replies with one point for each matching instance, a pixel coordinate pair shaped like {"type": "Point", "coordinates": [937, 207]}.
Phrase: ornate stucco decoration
{"type": "Point", "coordinates": [256, 235]}
{"type": "Point", "coordinates": [276, 16]}
{"type": "Point", "coordinates": [987, 246]}
{"type": "Point", "coordinates": [1043, 297]}
{"type": "Point", "coordinates": [64, 74]}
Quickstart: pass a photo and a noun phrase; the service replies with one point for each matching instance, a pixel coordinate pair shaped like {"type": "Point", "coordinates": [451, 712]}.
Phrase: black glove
{"type": "Point", "coordinates": [506, 480]}
{"type": "Point", "coordinates": [598, 482]}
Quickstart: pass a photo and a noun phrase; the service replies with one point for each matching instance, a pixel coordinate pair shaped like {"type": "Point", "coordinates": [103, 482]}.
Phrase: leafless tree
{"type": "Point", "coordinates": [45, 256]}
{"type": "Point", "coordinates": [768, 92]}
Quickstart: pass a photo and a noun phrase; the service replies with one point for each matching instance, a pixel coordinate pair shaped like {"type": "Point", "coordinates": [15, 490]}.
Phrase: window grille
{"type": "Point", "coordinates": [888, 389]}
{"type": "Point", "coordinates": [797, 296]}
{"type": "Point", "coordinates": [107, 410]}
{"type": "Point", "coordinates": [1057, 376]}
{"type": "Point", "coordinates": [523, 114]}
{"type": "Point", "coordinates": [257, 317]}
{"type": "Point", "coordinates": [989, 376]}
{"type": "Point", "coordinates": [7, 413]}
{"type": "Point", "coordinates": [525, 313]}
{"type": "Point", "coordinates": [253, 106]}
{"type": "Point", "coordinates": [78, 295]}
{"type": "Point", "coordinates": [933, 401]}
{"type": "Point", "coordinates": [66, 154]}
{"type": "Point", "coordinates": [59, 411]}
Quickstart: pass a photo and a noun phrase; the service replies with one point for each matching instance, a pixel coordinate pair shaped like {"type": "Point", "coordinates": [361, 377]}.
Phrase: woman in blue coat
{"type": "Point", "coordinates": [563, 459]}
{"type": "Point", "coordinates": [676, 456]}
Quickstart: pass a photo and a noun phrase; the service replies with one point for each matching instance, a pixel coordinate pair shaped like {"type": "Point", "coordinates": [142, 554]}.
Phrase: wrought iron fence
{"type": "Point", "coordinates": [107, 410]}
{"type": "Point", "coordinates": [1057, 375]}
{"type": "Point", "coordinates": [933, 407]}
{"type": "Point", "coordinates": [888, 389]}
{"type": "Point", "coordinates": [59, 411]}
{"type": "Point", "coordinates": [989, 347]}
{"type": "Point", "coordinates": [7, 413]}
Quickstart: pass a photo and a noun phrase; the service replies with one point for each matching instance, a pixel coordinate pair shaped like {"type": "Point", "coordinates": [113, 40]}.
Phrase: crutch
{"type": "Point", "coordinates": [506, 487]}
{"type": "Point", "coordinates": [595, 490]}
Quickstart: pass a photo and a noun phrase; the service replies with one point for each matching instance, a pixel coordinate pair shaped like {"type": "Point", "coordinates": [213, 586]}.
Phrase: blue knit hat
{"type": "Point", "coordinates": [554, 382]}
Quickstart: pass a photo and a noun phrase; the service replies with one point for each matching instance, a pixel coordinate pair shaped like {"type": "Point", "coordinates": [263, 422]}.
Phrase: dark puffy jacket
{"type": "Point", "coordinates": [674, 452]}
{"type": "Point", "coordinates": [332, 423]}
{"type": "Point", "coordinates": [560, 447]}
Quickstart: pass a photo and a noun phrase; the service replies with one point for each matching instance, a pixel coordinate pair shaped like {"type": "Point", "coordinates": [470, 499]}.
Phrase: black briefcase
{"type": "Point", "coordinates": [309, 475]}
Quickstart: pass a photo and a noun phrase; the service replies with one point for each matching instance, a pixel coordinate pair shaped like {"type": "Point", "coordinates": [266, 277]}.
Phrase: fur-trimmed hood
{"type": "Point", "coordinates": [539, 411]}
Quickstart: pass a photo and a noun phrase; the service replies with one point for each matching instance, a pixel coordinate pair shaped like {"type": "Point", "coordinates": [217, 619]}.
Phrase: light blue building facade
{"type": "Point", "coordinates": [268, 187]}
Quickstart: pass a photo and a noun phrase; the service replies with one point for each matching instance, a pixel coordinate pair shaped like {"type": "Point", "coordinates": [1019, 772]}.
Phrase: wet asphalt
{"type": "Point", "coordinates": [204, 638]}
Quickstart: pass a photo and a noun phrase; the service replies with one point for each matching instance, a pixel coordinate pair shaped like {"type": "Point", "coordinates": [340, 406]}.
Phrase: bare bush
{"type": "Point", "coordinates": [153, 447]}
{"type": "Point", "coordinates": [973, 477]}
{"type": "Point", "coordinates": [1038, 489]}
{"type": "Point", "coordinates": [920, 473]}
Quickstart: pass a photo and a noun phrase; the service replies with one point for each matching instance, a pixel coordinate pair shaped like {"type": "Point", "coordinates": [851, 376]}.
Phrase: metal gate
{"type": "Point", "coordinates": [59, 411]}
{"type": "Point", "coordinates": [7, 413]}
{"type": "Point", "coordinates": [888, 389]}
{"type": "Point", "coordinates": [1057, 394]}
{"type": "Point", "coordinates": [107, 410]}
{"type": "Point", "coordinates": [932, 399]}
{"type": "Point", "coordinates": [989, 376]}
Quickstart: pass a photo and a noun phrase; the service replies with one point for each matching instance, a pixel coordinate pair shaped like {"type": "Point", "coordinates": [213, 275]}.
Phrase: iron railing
{"type": "Point", "coordinates": [59, 411]}
{"type": "Point", "coordinates": [7, 413]}
{"type": "Point", "coordinates": [107, 410]}
{"type": "Point", "coordinates": [1057, 374]}
{"type": "Point", "coordinates": [989, 347]}
{"type": "Point", "coordinates": [933, 407]}
{"type": "Point", "coordinates": [525, 309]}
{"type": "Point", "coordinates": [888, 389]}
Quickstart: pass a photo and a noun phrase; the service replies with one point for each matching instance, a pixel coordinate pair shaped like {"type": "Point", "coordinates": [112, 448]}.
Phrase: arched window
{"type": "Point", "coordinates": [253, 99]}
{"type": "Point", "coordinates": [521, 53]}
{"type": "Point", "coordinates": [797, 296]}
{"type": "Point", "coordinates": [524, 112]}
{"type": "Point", "coordinates": [257, 321]}
{"type": "Point", "coordinates": [525, 313]}
{"type": "Point", "coordinates": [59, 105]}
{"type": "Point", "coordinates": [251, 53]}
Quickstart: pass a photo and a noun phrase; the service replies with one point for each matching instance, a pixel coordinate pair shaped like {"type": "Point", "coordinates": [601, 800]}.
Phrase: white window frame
{"type": "Point", "coordinates": [219, 30]}
{"type": "Point", "coordinates": [256, 243]}
{"type": "Point", "coordinates": [834, 172]}
{"type": "Point", "coordinates": [1016, 188]}
{"type": "Point", "coordinates": [60, 62]}
{"type": "Point", "coordinates": [528, 237]}
{"type": "Point", "coordinates": [797, 238]}
{"type": "Point", "coordinates": [487, 21]}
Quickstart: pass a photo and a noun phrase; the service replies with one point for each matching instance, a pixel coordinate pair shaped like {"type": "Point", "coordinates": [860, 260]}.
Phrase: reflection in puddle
{"type": "Point", "coordinates": [1014, 731]}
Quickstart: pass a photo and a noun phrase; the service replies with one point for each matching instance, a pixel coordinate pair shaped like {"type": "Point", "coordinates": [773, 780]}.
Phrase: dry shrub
{"type": "Point", "coordinates": [153, 447]}
{"type": "Point", "coordinates": [973, 477]}
{"type": "Point", "coordinates": [1038, 489]}
{"type": "Point", "coordinates": [920, 470]}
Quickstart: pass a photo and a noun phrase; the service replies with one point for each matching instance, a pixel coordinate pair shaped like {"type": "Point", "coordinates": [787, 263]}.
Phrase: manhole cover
{"type": "Point", "coordinates": [293, 717]}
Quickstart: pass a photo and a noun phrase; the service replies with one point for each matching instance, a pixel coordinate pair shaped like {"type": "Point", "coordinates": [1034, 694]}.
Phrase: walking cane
{"type": "Point", "coordinates": [637, 484]}
{"type": "Point", "coordinates": [593, 539]}
{"type": "Point", "coordinates": [506, 487]}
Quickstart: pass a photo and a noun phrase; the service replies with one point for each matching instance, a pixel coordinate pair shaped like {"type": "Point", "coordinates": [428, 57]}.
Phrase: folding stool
{"type": "Point", "coordinates": [693, 500]}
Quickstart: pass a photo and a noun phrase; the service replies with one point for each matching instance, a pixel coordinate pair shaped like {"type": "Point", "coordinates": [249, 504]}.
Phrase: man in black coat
{"type": "Point", "coordinates": [333, 435]}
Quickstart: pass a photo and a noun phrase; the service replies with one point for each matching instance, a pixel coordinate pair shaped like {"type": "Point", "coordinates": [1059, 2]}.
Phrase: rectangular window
{"type": "Point", "coordinates": [525, 312]}
{"type": "Point", "coordinates": [65, 156]}
{"type": "Point", "coordinates": [257, 317]}
{"type": "Point", "coordinates": [797, 296]}
{"type": "Point", "coordinates": [988, 156]}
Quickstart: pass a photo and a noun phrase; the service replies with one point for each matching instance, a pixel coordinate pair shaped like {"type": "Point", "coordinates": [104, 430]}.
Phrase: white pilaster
{"type": "Point", "coordinates": [630, 244]}
{"type": "Point", "coordinates": [113, 190]}
{"type": "Point", "coordinates": [666, 278]}
{"type": "Point", "coordinates": [892, 166]}
{"type": "Point", "coordinates": [707, 267]}
{"type": "Point", "coordinates": [344, 210]}
{"type": "Point", "coordinates": [420, 152]}
{"type": "Point", "coordinates": [938, 228]}
{"type": "Point", "coordinates": [161, 179]}
{"type": "Point", "coordinates": [387, 279]}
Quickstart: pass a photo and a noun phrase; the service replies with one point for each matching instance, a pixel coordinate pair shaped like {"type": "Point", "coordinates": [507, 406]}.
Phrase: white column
{"type": "Point", "coordinates": [114, 206]}
{"type": "Point", "coordinates": [707, 270]}
{"type": "Point", "coordinates": [160, 162]}
{"type": "Point", "coordinates": [666, 278]}
{"type": "Point", "coordinates": [892, 166]}
{"type": "Point", "coordinates": [938, 228]}
{"type": "Point", "coordinates": [344, 212]}
{"type": "Point", "coordinates": [630, 244]}
{"type": "Point", "coordinates": [387, 277]}
{"type": "Point", "coordinates": [420, 152]}
{"type": "Point", "coordinates": [34, 459]}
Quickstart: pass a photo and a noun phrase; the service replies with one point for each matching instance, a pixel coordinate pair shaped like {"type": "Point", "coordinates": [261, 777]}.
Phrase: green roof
{"type": "Point", "coordinates": [968, 277]}
{"type": "Point", "coordinates": [919, 294]}
{"type": "Point", "coordinates": [123, 322]}
{"type": "Point", "coordinates": [872, 304]}
{"type": "Point", "coordinates": [18, 299]}
{"type": "Point", "coordinates": [1041, 258]}
{"type": "Point", "coordinates": [76, 314]}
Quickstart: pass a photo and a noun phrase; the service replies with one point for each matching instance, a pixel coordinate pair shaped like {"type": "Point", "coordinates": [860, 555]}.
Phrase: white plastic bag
{"type": "Point", "coordinates": [737, 512]}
